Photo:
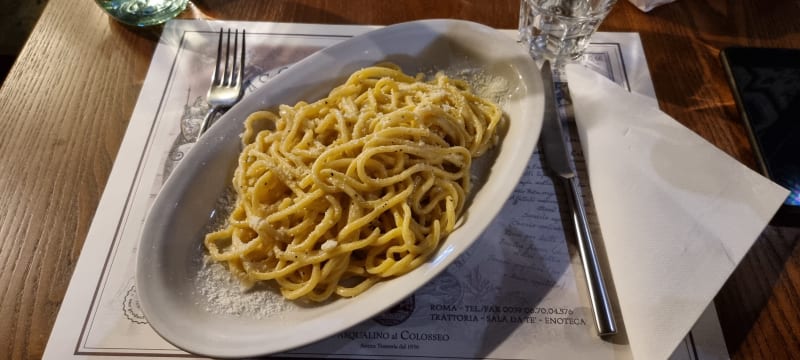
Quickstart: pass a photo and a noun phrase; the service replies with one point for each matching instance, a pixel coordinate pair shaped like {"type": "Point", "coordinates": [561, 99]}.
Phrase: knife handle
{"type": "Point", "coordinates": [601, 306]}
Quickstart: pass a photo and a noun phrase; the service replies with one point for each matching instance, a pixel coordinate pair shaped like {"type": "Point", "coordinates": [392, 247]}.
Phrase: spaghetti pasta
{"type": "Point", "coordinates": [359, 186]}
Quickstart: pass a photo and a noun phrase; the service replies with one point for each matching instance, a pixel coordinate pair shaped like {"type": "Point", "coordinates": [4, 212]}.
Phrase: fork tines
{"type": "Point", "coordinates": [226, 81]}
{"type": "Point", "coordinates": [233, 69]}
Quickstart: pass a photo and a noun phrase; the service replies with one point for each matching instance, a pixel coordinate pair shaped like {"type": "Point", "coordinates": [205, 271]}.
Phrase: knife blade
{"type": "Point", "coordinates": [558, 159]}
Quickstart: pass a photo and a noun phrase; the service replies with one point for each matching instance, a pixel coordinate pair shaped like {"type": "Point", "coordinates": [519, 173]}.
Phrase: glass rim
{"type": "Point", "coordinates": [600, 12]}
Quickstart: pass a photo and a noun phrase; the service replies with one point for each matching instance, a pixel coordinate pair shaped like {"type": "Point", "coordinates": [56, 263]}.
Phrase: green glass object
{"type": "Point", "coordinates": [143, 12]}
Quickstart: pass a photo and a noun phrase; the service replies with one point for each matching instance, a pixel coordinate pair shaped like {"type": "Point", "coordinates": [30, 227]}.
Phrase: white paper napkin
{"type": "Point", "coordinates": [676, 213]}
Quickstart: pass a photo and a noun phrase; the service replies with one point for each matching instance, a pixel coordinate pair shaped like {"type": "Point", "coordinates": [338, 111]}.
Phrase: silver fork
{"type": "Point", "coordinates": [226, 83]}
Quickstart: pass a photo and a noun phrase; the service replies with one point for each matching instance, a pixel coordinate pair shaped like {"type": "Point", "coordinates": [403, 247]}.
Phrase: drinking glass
{"type": "Point", "coordinates": [559, 30]}
{"type": "Point", "coordinates": [143, 12]}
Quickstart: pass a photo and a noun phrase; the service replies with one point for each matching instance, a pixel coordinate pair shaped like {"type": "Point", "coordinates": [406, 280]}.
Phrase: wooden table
{"type": "Point", "coordinates": [66, 104]}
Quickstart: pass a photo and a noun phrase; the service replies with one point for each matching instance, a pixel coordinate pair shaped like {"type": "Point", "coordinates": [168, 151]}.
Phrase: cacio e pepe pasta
{"type": "Point", "coordinates": [357, 187]}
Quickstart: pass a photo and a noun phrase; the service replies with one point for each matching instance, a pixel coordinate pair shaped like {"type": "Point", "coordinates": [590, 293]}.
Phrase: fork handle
{"type": "Point", "coordinates": [207, 120]}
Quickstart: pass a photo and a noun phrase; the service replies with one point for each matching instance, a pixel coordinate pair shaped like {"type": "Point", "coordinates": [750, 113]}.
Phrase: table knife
{"type": "Point", "coordinates": [558, 159]}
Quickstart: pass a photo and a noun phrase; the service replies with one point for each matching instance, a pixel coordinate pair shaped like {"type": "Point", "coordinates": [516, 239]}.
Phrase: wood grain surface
{"type": "Point", "coordinates": [66, 103]}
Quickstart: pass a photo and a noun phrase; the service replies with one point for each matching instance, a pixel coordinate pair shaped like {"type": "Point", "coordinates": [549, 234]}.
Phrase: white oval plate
{"type": "Point", "coordinates": [170, 253]}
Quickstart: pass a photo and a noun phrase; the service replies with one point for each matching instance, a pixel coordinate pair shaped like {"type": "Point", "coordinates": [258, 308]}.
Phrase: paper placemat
{"type": "Point", "coordinates": [516, 294]}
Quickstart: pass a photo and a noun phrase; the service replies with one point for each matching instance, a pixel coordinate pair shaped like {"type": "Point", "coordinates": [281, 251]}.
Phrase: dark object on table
{"type": "Point", "coordinates": [766, 86]}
